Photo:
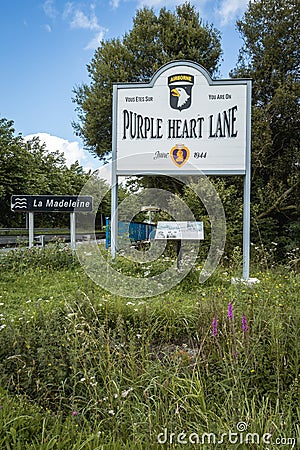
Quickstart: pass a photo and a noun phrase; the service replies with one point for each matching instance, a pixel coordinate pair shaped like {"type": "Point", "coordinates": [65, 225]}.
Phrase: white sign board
{"type": "Point", "coordinates": [180, 122]}
{"type": "Point", "coordinates": [179, 230]}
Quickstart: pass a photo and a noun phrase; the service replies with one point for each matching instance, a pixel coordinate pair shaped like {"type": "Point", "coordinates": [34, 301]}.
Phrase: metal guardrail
{"type": "Point", "coordinates": [41, 239]}
{"type": "Point", "coordinates": [4, 231]}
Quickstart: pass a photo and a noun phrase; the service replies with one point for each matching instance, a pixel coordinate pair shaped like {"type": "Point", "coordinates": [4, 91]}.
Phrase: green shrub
{"type": "Point", "coordinates": [53, 256]}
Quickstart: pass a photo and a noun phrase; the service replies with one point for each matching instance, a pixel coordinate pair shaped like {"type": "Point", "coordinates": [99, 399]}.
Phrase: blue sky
{"type": "Point", "coordinates": [46, 45]}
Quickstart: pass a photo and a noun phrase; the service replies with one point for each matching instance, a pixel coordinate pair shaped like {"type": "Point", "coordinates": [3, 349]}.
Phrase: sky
{"type": "Point", "coordinates": [47, 44]}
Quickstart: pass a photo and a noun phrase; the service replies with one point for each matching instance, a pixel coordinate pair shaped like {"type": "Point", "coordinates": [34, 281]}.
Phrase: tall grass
{"type": "Point", "coordinates": [82, 368]}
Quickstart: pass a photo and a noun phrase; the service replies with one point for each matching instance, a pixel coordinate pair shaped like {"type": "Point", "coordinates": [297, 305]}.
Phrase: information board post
{"type": "Point", "coordinates": [31, 228]}
{"type": "Point", "coordinates": [178, 254]}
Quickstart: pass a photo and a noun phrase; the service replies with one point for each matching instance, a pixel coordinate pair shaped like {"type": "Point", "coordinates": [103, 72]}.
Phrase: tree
{"type": "Point", "coordinates": [271, 57]}
{"type": "Point", "coordinates": [153, 41]}
{"type": "Point", "coordinates": [28, 168]}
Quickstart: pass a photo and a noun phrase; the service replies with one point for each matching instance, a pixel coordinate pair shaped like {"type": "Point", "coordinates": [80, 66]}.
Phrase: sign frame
{"type": "Point", "coordinates": [246, 172]}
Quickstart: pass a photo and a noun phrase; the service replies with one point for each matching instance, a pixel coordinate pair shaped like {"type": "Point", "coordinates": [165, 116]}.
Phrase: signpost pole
{"type": "Point", "coordinates": [246, 227]}
{"type": "Point", "coordinates": [178, 254]}
{"type": "Point", "coordinates": [72, 231]}
{"type": "Point", "coordinates": [31, 228]}
{"type": "Point", "coordinates": [247, 190]}
{"type": "Point", "coordinates": [114, 181]}
{"type": "Point", "coordinates": [114, 217]}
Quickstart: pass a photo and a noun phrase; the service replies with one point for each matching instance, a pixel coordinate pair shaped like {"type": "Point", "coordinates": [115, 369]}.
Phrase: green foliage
{"type": "Point", "coordinates": [230, 192]}
{"type": "Point", "coordinates": [270, 56]}
{"type": "Point", "coordinates": [91, 369]}
{"type": "Point", "coordinates": [153, 41]}
{"type": "Point", "coordinates": [53, 256]}
{"type": "Point", "coordinates": [28, 168]}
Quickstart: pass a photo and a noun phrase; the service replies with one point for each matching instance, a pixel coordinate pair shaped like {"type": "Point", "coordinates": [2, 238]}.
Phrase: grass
{"type": "Point", "coordinates": [84, 369]}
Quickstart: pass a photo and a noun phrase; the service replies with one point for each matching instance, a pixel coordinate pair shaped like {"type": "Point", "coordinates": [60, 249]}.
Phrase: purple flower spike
{"type": "Point", "coordinates": [215, 327]}
{"type": "Point", "coordinates": [230, 311]}
{"type": "Point", "coordinates": [245, 326]}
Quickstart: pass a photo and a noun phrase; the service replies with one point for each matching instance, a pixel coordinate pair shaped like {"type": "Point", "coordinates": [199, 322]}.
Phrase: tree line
{"type": "Point", "coordinates": [27, 167]}
{"type": "Point", "coordinates": [269, 56]}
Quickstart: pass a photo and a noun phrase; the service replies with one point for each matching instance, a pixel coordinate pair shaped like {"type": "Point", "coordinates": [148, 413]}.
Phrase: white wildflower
{"type": "Point", "coordinates": [126, 392]}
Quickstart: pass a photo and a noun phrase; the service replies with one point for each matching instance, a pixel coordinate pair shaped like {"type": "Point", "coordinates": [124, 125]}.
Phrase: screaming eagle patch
{"type": "Point", "coordinates": [179, 154]}
{"type": "Point", "coordinates": [180, 86]}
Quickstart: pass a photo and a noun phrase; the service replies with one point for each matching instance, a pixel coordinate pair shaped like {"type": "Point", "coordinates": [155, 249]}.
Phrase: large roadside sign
{"type": "Point", "coordinates": [182, 122]}
{"type": "Point", "coordinates": [51, 203]}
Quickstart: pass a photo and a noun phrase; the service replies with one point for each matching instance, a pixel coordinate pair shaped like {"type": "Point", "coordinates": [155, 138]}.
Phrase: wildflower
{"type": "Point", "coordinates": [111, 411]}
{"type": "Point", "coordinates": [245, 326]}
{"type": "Point", "coordinates": [215, 327]}
{"type": "Point", "coordinates": [74, 413]}
{"type": "Point", "coordinates": [230, 311]}
{"type": "Point", "coordinates": [126, 392]}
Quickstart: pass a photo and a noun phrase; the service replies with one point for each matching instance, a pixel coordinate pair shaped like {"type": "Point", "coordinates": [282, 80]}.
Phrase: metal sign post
{"type": "Point", "coordinates": [247, 192]}
{"type": "Point", "coordinates": [73, 231]}
{"type": "Point", "coordinates": [31, 228]}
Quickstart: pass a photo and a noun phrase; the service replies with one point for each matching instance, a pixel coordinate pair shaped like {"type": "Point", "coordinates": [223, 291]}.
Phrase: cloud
{"type": "Point", "coordinates": [229, 10]}
{"type": "Point", "coordinates": [46, 27]}
{"type": "Point", "coordinates": [80, 20]}
{"type": "Point", "coordinates": [95, 42]}
{"type": "Point", "coordinates": [71, 150]}
{"type": "Point", "coordinates": [114, 4]}
{"type": "Point", "coordinates": [159, 3]}
{"type": "Point", "coordinates": [49, 9]}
